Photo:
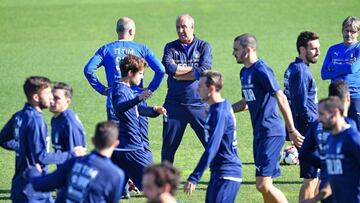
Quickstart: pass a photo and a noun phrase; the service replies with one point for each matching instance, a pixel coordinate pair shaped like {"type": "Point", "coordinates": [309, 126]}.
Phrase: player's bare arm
{"type": "Point", "coordinates": [187, 76]}
{"type": "Point", "coordinates": [285, 110]}
{"type": "Point", "coordinates": [240, 106]}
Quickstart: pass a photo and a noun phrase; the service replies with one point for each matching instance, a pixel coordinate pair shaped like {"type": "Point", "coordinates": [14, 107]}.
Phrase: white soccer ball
{"type": "Point", "coordinates": [290, 155]}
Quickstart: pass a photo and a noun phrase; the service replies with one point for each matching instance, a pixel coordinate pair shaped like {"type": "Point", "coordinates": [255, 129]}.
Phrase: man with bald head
{"type": "Point", "coordinates": [185, 59]}
{"type": "Point", "coordinates": [110, 55]}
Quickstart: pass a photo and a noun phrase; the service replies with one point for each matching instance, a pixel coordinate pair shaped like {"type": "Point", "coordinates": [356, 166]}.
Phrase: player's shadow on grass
{"type": "Point", "coordinates": [275, 182]}
{"type": "Point", "coordinates": [252, 182]}
{"type": "Point", "coordinates": [247, 163]}
{"type": "Point", "coordinates": [199, 183]}
{"type": "Point", "coordinates": [5, 192]}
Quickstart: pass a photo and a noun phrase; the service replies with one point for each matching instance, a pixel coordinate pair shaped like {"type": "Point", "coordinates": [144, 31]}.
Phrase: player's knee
{"type": "Point", "coordinates": [311, 182]}
{"type": "Point", "coordinates": [263, 187]}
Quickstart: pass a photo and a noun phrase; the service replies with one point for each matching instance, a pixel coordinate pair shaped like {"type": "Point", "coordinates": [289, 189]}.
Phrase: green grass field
{"type": "Point", "coordinates": [57, 38]}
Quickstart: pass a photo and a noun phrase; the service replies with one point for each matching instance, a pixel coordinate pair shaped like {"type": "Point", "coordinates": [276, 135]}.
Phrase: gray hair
{"type": "Point", "coordinates": [188, 17]}
{"type": "Point", "coordinates": [353, 22]}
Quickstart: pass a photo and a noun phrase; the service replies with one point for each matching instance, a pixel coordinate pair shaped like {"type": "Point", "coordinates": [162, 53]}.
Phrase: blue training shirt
{"type": "Point", "coordinates": [143, 121]}
{"type": "Point", "coordinates": [313, 150]}
{"type": "Point", "coordinates": [110, 55]}
{"type": "Point", "coordinates": [28, 130]}
{"type": "Point", "coordinates": [258, 89]}
{"type": "Point", "coordinates": [89, 179]}
{"type": "Point", "coordinates": [221, 145]}
{"type": "Point", "coordinates": [67, 131]}
{"type": "Point", "coordinates": [301, 92]}
{"type": "Point", "coordinates": [128, 108]}
{"type": "Point", "coordinates": [343, 165]}
{"type": "Point", "coordinates": [343, 63]}
{"type": "Point", "coordinates": [197, 55]}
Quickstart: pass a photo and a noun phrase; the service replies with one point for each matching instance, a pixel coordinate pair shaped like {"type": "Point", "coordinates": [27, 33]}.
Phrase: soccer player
{"type": "Point", "coordinates": [342, 62]}
{"type": "Point", "coordinates": [184, 59]}
{"type": "Point", "coordinates": [221, 144]}
{"type": "Point", "coordinates": [342, 154]}
{"type": "Point", "coordinates": [67, 130]}
{"type": "Point", "coordinates": [160, 182]}
{"type": "Point", "coordinates": [313, 150]}
{"type": "Point", "coordinates": [300, 90]}
{"type": "Point", "coordinates": [92, 178]}
{"type": "Point", "coordinates": [110, 56]}
{"type": "Point", "coordinates": [131, 155]}
{"type": "Point", "coordinates": [262, 95]}
{"type": "Point", "coordinates": [28, 131]}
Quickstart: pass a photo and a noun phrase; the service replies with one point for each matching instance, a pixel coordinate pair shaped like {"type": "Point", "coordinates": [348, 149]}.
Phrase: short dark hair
{"type": "Point", "coordinates": [164, 173]}
{"type": "Point", "coordinates": [131, 63]}
{"type": "Point", "coordinates": [105, 134]}
{"type": "Point", "coordinates": [304, 38]}
{"type": "Point", "coordinates": [339, 88]}
{"type": "Point", "coordinates": [68, 90]}
{"type": "Point", "coordinates": [35, 83]}
{"type": "Point", "coordinates": [213, 78]}
{"type": "Point", "coordinates": [247, 40]}
{"type": "Point", "coordinates": [331, 103]}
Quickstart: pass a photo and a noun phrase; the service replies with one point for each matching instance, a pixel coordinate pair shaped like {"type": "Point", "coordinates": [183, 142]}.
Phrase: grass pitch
{"type": "Point", "coordinates": [57, 38]}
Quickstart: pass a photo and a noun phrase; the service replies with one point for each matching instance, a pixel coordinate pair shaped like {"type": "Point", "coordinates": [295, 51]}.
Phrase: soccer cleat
{"type": "Point", "coordinates": [132, 187]}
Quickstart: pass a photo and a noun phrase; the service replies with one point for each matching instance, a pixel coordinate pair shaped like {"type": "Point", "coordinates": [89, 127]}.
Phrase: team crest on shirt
{"type": "Point", "coordinates": [338, 148]}
{"type": "Point", "coordinates": [249, 79]}
{"type": "Point", "coordinates": [196, 54]}
{"type": "Point", "coordinates": [56, 137]}
{"type": "Point", "coordinates": [176, 53]}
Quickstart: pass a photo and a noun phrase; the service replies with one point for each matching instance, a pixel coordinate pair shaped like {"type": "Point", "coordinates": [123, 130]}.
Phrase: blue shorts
{"type": "Point", "coordinates": [354, 111]}
{"type": "Point", "coordinates": [222, 191]}
{"type": "Point", "coordinates": [132, 163]}
{"type": "Point", "coordinates": [308, 171]}
{"type": "Point", "coordinates": [301, 125]}
{"type": "Point", "coordinates": [267, 156]}
{"type": "Point", "coordinates": [328, 200]}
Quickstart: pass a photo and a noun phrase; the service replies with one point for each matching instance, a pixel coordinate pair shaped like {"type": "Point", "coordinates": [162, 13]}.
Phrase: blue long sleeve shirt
{"type": "Point", "coordinates": [29, 130]}
{"type": "Point", "coordinates": [313, 150]}
{"type": "Point", "coordinates": [143, 121]}
{"type": "Point", "coordinates": [258, 89]}
{"type": "Point", "coordinates": [89, 179]}
{"type": "Point", "coordinates": [221, 145]}
{"type": "Point", "coordinates": [301, 92]}
{"type": "Point", "coordinates": [67, 131]}
{"type": "Point", "coordinates": [197, 55]}
{"type": "Point", "coordinates": [110, 55]}
{"type": "Point", "coordinates": [343, 165]}
{"type": "Point", "coordinates": [128, 108]}
{"type": "Point", "coordinates": [343, 63]}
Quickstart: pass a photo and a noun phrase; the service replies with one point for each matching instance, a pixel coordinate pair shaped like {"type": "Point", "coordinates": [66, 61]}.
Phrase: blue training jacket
{"type": "Point", "coordinates": [110, 55]}
{"type": "Point", "coordinates": [221, 145]}
{"type": "Point", "coordinates": [28, 130]}
{"type": "Point", "coordinates": [199, 56]}
{"type": "Point", "coordinates": [343, 63]}
{"type": "Point", "coordinates": [301, 92]}
{"type": "Point", "coordinates": [89, 179]}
